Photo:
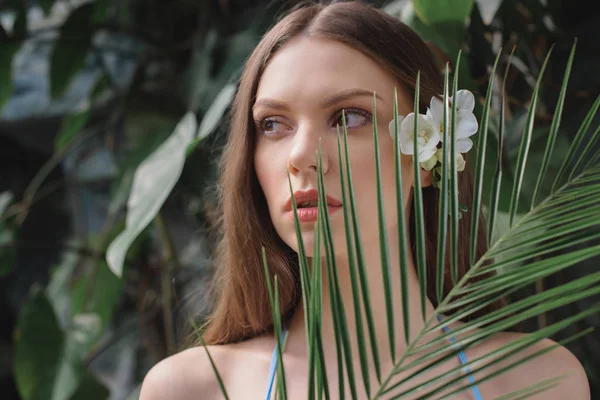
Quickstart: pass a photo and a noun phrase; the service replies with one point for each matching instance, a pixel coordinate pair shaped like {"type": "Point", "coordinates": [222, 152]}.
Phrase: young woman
{"type": "Point", "coordinates": [313, 64]}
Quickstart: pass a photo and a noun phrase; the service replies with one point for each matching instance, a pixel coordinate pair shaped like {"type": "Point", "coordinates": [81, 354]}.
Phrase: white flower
{"type": "Point", "coordinates": [460, 161]}
{"type": "Point", "coordinates": [466, 123]}
{"type": "Point", "coordinates": [429, 164]}
{"type": "Point", "coordinates": [428, 136]}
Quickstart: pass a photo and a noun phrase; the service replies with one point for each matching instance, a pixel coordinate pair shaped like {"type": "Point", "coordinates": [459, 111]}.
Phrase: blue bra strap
{"type": "Point", "coordinates": [274, 365]}
{"type": "Point", "coordinates": [463, 360]}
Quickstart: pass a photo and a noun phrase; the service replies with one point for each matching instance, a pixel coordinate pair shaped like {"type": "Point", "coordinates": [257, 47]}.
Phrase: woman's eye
{"type": "Point", "coordinates": [354, 118]}
{"type": "Point", "coordinates": [270, 127]}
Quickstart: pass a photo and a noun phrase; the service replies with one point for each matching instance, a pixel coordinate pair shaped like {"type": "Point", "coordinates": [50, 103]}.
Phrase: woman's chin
{"type": "Point", "coordinates": [308, 239]}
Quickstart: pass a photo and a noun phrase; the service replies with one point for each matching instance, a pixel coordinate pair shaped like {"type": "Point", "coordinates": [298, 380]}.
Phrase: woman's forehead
{"type": "Point", "coordinates": [314, 69]}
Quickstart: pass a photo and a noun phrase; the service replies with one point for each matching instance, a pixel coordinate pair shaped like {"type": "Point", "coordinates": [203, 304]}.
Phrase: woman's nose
{"type": "Point", "coordinates": [303, 155]}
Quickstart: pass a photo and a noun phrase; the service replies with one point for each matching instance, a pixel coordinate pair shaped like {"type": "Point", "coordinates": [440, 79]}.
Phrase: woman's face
{"type": "Point", "coordinates": [299, 100]}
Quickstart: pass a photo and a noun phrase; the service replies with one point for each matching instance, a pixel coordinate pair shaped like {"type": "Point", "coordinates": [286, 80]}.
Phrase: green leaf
{"type": "Point", "coordinates": [214, 367]}
{"type": "Point", "coordinates": [215, 113]}
{"type": "Point", "coordinates": [362, 268]}
{"type": "Point", "coordinates": [98, 292]}
{"type": "Point", "coordinates": [421, 264]}
{"type": "Point", "coordinates": [403, 238]}
{"type": "Point", "coordinates": [436, 11]}
{"type": "Point", "coordinates": [446, 16]}
{"type": "Point", "coordinates": [525, 143]}
{"type": "Point", "coordinates": [48, 361]}
{"type": "Point", "coordinates": [360, 334]}
{"type": "Point", "coordinates": [443, 204]}
{"type": "Point", "coordinates": [479, 164]}
{"type": "Point", "coordinates": [71, 48]}
{"type": "Point", "coordinates": [154, 179]}
{"type": "Point", "coordinates": [213, 117]}
{"type": "Point", "coordinates": [554, 127]}
{"type": "Point", "coordinates": [383, 240]}
{"type": "Point", "coordinates": [71, 126]}
{"type": "Point", "coordinates": [90, 389]}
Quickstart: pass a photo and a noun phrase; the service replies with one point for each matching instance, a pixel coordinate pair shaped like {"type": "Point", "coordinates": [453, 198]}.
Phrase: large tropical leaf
{"type": "Point", "coordinates": [535, 245]}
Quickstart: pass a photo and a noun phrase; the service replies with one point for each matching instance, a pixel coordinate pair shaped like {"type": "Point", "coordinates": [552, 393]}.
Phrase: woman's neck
{"type": "Point", "coordinates": [297, 340]}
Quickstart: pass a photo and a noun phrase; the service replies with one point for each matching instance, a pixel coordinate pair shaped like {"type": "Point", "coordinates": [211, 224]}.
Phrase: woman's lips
{"type": "Point", "coordinates": [309, 214]}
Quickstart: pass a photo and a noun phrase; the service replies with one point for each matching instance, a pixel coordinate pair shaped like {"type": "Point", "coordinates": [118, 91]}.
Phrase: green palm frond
{"type": "Point", "coordinates": [538, 244]}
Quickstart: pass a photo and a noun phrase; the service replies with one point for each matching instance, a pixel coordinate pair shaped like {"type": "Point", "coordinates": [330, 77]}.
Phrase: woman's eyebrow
{"type": "Point", "coordinates": [347, 94]}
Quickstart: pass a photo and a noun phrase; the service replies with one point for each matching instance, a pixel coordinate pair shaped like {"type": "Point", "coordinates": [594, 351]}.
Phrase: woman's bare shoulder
{"type": "Point", "coordinates": [187, 374]}
{"type": "Point", "coordinates": [554, 361]}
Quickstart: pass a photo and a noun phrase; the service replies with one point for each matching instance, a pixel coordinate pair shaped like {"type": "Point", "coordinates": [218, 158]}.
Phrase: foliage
{"type": "Point", "coordinates": [545, 226]}
{"type": "Point", "coordinates": [111, 94]}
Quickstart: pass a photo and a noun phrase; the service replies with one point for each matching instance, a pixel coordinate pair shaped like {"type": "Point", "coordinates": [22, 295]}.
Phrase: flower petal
{"type": "Point", "coordinates": [466, 124]}
{"type": "Point", "coordinates": [426, 153]}
{"type": "Point", "coordinates": [465, 100]}
{"type": "Point", "coordinates": [391, 127]}
{"type": "Point", "coordinates": [460, 162]}
{"type": "Point", "coordinates": [406, 134]}
{"type": "Point", "coordinates": [464, 145]}
{"type": "Point", "coordinates": [436, 111]}
{"type": "Point", "coordinates": [430, 163]}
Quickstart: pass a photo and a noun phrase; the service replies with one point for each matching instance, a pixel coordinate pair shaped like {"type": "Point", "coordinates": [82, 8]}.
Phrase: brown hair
{"type": "Point", "coordinates": [242, 309]}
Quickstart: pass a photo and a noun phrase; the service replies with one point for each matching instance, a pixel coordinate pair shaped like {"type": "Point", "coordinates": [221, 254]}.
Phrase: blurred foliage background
{"type": "Point", "coordinates": [93, 91]}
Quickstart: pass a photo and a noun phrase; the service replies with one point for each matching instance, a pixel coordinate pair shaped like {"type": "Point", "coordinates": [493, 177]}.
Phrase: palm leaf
{"type": "Point", "coordinates": [538, 244]}
{"type": "Point", "coordinates": [362, 347]}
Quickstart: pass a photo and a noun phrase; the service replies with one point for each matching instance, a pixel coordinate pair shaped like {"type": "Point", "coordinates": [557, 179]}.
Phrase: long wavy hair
{"type": "Point", "coordinates": [242, 307]}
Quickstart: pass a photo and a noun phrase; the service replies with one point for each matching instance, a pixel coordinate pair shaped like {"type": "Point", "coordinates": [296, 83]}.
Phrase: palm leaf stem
{"type": "Point", "coordinates": [464, 279]}
{"type": "Point", "coordinates": [321, 366]}
{"type": "Point", "coordinates": [302, 262]}
{"type": "Point", "coordinates": [383, 240]}
{"type": "Point", "coordinates": [418, 205]}
{"type": "Point", "coordinates": [454, 180]}
{"type": "Point", "coordinates": [276, 314]}
{"type": "Point", "coordinates": [582, 198]}
{"type": "Point", "coordinates": [511, 365]}
{"type": "Point", "coordinates": [490, 285]}
{"type": "Point", "coordinates": [480, 163]}
{"type": "Point", "coordinates": [314, 332]}
{"type": "Point", "coordinates": [548, 248]}
{"type": "Point", "coordinates": [591, 144]}
{"type": "Point", "coordinates": [362, 268]}
{"type": "Point", "coordinates": [577, 141]}
{"type": "Point", "coordinates": [530, 390]}
{"type": "Point", "coordinates": [525, 143]}
{"type": "Point", "coordinates": [452, 351]}
{"type": "Point", "coordinates": [554, 126]}
{"type": "Point", "coordinates": [443, 204]}
{"type": "Point", "coordinates": [360, 335]}
{"type": "Point", "coordinates": [580, 284]}
{"type": "Point", "coordinates": [322, 201]}
{"type": "Point", "coordinates": [504, 352]}
{"type": "Point", "coordinates": [214, 367]}
{"type": "Point", "coordinates": [453, 292]}
{"type": "Point", "coordinates": [402, 235]}
{"type": "Point", "coordinates": [503, 322]}
{"type": "Point", "coordinates": [572, 194]}
{"type": "Point", "coordinates": [573, 228]}
{"type": "Point", "coordinates": [555, 224]}
{"type": "Point", "coordinates": [337, 303]}
{"type": "Point", "coordinates": [553, 236]}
